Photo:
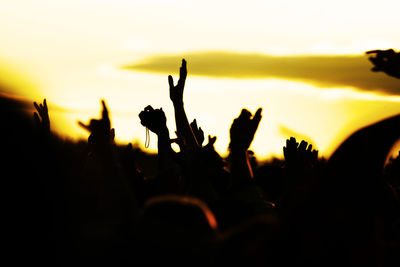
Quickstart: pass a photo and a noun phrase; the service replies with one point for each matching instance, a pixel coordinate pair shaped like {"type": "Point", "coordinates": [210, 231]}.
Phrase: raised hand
{"type": "Point", "coordinates": [300, 176]}
{"type": "Point", "coordinates": [176, 92]}
{"type": "Point", "coordinates": [387, 61]}
{"type": "Point", "coordinates": [198, 132]}
{"type": "Point", "coordinates": [243, 129]}
{"type": "Point", "coordinates": [299, 155]}
{"type": "Point", "coordinates": [211, 141]}
{"type": "Point", "coordinates": [184, 131]}
{"type": "Point", "coordinates": [101, 133]}
{"type": "Point", "coordinates": [154, 119]}
{"type": "Point", "coordinates": [41, 117]}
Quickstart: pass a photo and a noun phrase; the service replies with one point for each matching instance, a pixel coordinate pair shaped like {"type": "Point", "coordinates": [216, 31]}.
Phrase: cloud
{"type": "Point", "coordinates": [320, 70]}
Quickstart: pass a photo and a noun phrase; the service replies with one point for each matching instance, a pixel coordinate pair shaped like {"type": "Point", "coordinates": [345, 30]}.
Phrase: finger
{"type": "Point", "coordinates": [309, 148]}
{"type": "Point", "coordinates": [36, 107]}
{"type": "Point", "coordinates": [193, 125]}
{"type": "Point", "coordinates": [258, 113]}
{"type": "Point", "coordinates": [292, 143]}
{"type": "Point", "coordinates": [182, 74]}
{"type": "Point", "coordinates": [170, 81]}
{"type": "Point", "coordinates": [388, 52]}
{"type": "Point", "coordinates": [183, 69]}
{"type": "Point", "coordinates": [244, 114]}
{"type": "Point", "coordinates": [105, 110]}
{"type": "Point", "coordinates": [84, 126]}
{"type": "Point", "coordinates": [257, 118]}
{"type": "Point", "coordinates": [303, 145]}
{"type": "Point", "coordinates": [42, 112]}
{"type": "Point", "coordinates": [45, 105]}
{"type": "Point", "coordinates": [105, 116]}
{"type": "Point", "coordinates": [201, 131]}
{"type": "Point", "coordinates": [372, 52]}
{"type": "Point", "coordinates": [211, 140]}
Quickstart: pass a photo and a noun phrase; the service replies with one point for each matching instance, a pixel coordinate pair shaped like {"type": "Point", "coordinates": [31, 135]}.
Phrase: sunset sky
{"type": "Point", "coordinates": [303, 62]}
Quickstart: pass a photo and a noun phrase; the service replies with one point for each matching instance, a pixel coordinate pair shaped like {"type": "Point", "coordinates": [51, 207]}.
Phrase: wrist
{"type": "Point", "coordinates": [163, 133]}
{"type": "Point", "coordinates": [237, 147]}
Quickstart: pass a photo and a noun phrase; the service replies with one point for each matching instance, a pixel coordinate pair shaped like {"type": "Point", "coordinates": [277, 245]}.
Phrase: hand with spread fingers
{"type": "Point", "coordinates": [299, 154]}
{"type": "Point", "coordinates": [41, 117]}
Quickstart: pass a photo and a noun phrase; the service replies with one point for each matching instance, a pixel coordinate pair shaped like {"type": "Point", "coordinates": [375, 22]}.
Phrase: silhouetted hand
{"type": "Point", "coordinates": [387, 61]}
{"type": "Point", "coordinates": [184, 131]}
{"type": "Point", "coordinates": [198, 132]}
{"type": "Point", "coordinates": [300, 178]}
{"type": "Point", "coordinates": [301, 155]}
{"type": "Point", "coordinates": [211, 141]}
{"type": "Point", "coordinates": [154, 119]}
{"type": "Point", "coordinates": [176, 92]}
{"type": "Point", "coordinates": [101, 134]}
{"type": "Point", "coordinates": [243, 129]}
{"type": "Point", "coordinates": [41, 117]}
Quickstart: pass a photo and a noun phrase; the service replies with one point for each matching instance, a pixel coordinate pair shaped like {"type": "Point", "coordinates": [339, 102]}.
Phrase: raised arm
{"type": "Point", "coordinates": [242, 133]}
{"type": "Point", "coordinates": [300, 162]}
{"type": "Point", "coordinates": [183, 128]}
{"type": "Point", "coordinates": [155, 121]}
{"type": "Point", "coordinates": [101, 137]}
{"type": "Point", "coordinates": [113, 200]}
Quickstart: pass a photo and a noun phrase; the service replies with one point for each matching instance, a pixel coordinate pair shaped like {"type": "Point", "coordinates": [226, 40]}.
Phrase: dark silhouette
{"type": "Point", "coordinates": [387, 61]}
{"type": "Point", "coordinates": [97, 203]}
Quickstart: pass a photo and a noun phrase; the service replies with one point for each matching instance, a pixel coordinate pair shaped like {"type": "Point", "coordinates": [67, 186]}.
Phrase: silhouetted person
{"type": "Point", "coordinates": [176, 230]}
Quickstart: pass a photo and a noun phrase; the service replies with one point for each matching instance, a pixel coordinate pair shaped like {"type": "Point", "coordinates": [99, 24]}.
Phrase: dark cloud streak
{"type": "Point", "coordinates": [320, 70]}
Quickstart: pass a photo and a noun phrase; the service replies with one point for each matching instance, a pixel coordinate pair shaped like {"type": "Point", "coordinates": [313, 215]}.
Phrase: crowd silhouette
{"type": "Point", "coordinates": [89, 203]}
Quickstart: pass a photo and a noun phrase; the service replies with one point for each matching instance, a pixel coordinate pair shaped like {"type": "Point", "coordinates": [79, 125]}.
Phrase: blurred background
{"type": "Point", "coordinates": [303, 62]}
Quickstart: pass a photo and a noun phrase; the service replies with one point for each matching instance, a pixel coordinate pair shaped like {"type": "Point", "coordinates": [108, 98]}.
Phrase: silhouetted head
{"type": "Point", "coordinates": [175, 229]}
{"type": "Point", "coordinates": [178, 215]}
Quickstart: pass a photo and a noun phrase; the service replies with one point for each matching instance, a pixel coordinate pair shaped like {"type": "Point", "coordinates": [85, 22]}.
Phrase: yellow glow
{"type": "Point", "coordinates": [70, 51]}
